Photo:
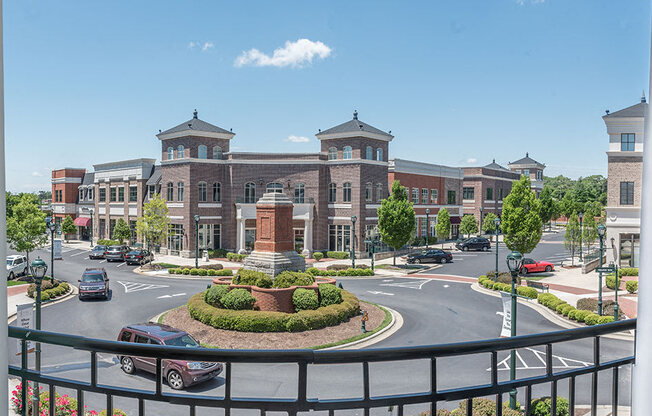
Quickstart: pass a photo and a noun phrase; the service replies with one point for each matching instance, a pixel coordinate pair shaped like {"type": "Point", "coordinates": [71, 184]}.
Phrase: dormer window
{"type": "Point", "coordinates": [217, 152]}
{"type": "Point", "coordinates": [170, 153]}
{"type": "Point", "coordinates": [332, 153]}
{"type": "Point", "coordinates": [347, 152]}
{"type": "Point", "coordinates": [202, 152]}
{"type": "Point", "coordinates": [274, 187]}
{"type": "Point", "coordinates": [370, 153]}
{"type": "Point", "coordinates": [379, 154]}
{"type": "Point", "coordinates": [180, 152]}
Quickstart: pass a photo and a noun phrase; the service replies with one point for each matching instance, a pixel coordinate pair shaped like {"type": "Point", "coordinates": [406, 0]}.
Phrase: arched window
{"type": "Point", "coordinates": [180, 191]}
{"type": "Point", "coordinates": [332, 153]}
{"type": "Point", "coordinates": [250, 193]}
{"type": "Point", "coordinates": [379, 154]}
{"type": "Point", "coordinates": [180, 154]}
{"type": "Point", "coordinates": [217, 152]}
{"type": "Point", "coordinates": [379, 192]}
{"type": "Point", "coordinates": [369, 191]}
{"type": "Point", "coordinates": [346, 192]}
{"type": "Point", "coordinates": [347, 152]}
{"type": "Point", "coordinates": [299, 193]}
{"type": "Point", "coordinates": [170, 192]}
{"type": "Point", "coordinates": [274, 187]}
{"type": "Point", "coordinates": [201, 188]}
{"type": "Point", "coordinates": [170, 153]}
{"type": "Point", "coordinates": [217, 192]}
{"type": "Point", "coordinates": [370, 153]}
{"type": "Point", "coordinates": [332, 192]}
{"type": "Point", "coordinates": [202, 152]}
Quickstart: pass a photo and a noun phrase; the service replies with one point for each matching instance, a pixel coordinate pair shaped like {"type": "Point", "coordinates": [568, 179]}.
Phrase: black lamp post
{"type": "Point", "coordinates": [196, 241]}
{"type": "Point", "coordinates": [38, 268]}
{"type": "Point", "coordinates": [514, 261]}
{"type": "Point", "coordinates": [427, 226]}
{"type": "Point", "coordinates": [481, 209]}
{"type": "Point", "coordinates": [52, 226]}
{"type": "Point", "coordinates": [580, 215]}
{"type": "Point", "coordinates": [92, 211]}
{"type": "Point", "coordinates": [353, 220]}
{"type": "Point", "coordinates": [615, 269]}
{"type": "Point", "coordinates": [601, 233]}
{"type": "Point", "coordinates": [497, 224]}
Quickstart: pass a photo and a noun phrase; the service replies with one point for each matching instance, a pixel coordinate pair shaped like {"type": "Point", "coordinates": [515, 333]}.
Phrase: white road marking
{"type": "Point", "coordinates": [413, 284]}
{"type": "Point", "coordinates": [564, 362]}
{"type": "Point", "coordinates": [170, 296]}
{"type": "Point", "coordinates": [121, 264]}
{"type": "Point", "coordinates": [388, 280]}
{"type": "Point", "coordinates": [375, 292]}
{"type": "Point", "coordinates": [77, 254]}
{"type": "Point", "coordinates": [500, 313]}
{"type": "Point", "coordinates": [447, 285]}
{"type": "Point", "coordinates": [521, 359]}
{"type": "Point", "coordinates": [103, 261]}
{"type": "Point", "coordinates": [135, 287]}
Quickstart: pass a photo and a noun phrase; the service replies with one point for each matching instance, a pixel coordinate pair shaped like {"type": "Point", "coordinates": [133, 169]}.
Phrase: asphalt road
{"type": "Point", "coordinates": [434, 312]}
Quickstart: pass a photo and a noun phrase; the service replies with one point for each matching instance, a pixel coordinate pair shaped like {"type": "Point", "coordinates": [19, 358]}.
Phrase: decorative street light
{"type": "Point", "coordinates": [38, 268]}
{"type": "Point", "coordinates": [615, 269]}
{"type": "Point", "coordinates": [197, 241]}
{"type": "Point", "coordinates": [481, 209]}
{"type": "Point", "coordinates": [514, 261]}
{"type": "Point", "coordinates": [427, 226]}
{"type": "Point", "coordinates": [52, 226]}
{"type": "Point", "coordinates": [601, 233]}
{"type": "Point", "coordinates": [581, 215]}
{"type": "Point", "coordinates": [91, 211]}
{"type": "Point", "coordinates": [372, 239]}
{"type": "Point", "coordinates": [353, 220]}
{"type": "Point", "coordinates": [497, 224]}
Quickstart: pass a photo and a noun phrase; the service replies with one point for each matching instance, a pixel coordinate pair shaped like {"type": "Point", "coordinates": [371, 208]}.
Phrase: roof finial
{"type": "Point", "coordinates": [527, 154]}
{"type": "Point", "coordinates": [194, 113]}
{"type": "Point", "coordinates": [494, 160]}
{"type": "Point", "coordinates": [355, 114]}
{"type": "Point", "coordinates": [643, 96]}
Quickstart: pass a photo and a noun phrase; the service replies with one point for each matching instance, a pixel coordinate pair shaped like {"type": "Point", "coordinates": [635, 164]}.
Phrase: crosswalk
{"type": "Point", "coordinates": [407, 283]}
{"type": "Point", "coordinates": [131, 287]}
{"type": "Point", "coordinates": [533, 359]}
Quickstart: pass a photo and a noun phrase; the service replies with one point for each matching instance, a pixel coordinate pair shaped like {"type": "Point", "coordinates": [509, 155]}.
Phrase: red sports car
{"type": "Point", "coordinates": [533, 266]}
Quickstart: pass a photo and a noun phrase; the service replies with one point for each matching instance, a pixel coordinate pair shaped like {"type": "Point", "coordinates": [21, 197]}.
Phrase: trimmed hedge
{"type": "Point", "coordinates": [631, 286]}
{"type": "Point", "coordinates": [286, 279]}
{"type": "Point", "coordinates": [337, 267]}
{"type": "Point", "coordinates": [591, 319]}
{"type": "Point", "coordinates": [542, 407]}
{"type": "Point", "coordinates": [341, 255]}
{"type": "Point", "coordinates": [605, 319]}
{"type": "Point", "coordinates": [318, 256]}
{"type": "Point", "coordinates": [611, 281]}
{"type": "Point", "coordinates": [482, 406]}
{"type": "Point", "coordinates": [213, 296]}
{"type": "Point", "coordinates": [628, 271]}
{"type": "Point", "coordinates": [585, 311]}
{"type": "Point", "coordinates": [342, 272]}
{"type": "Point", "coordinates": [217, 253]}
{"type": "Point", "coordinates": [106, 242]}
{"type": "Point", "coordinates": [52, 292]}
{"type": "Point", "coordinates": [262, 321]}
{"type": "Point", "coordinates": [329, 294]}
{"type": "Point", "coordinates": [305, 299]}
{"type": "Point", "coordinates": [529, 292]}
{"type": "Point", "coordinates": [503, 277]}
{"type": "Point", "coordinates": [252, 278]}
{"type": "Point", "coordinates": [235, 257]}
{"type": "Point", "coordinates": [238, 299]}
{"type": "Point", "coordinates": [201, 272]}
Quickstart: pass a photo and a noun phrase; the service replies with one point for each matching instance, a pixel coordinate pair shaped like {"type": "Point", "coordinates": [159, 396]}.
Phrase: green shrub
{"type": "Point", "coordinates": [171, 271]}
{"type": "Point", "coordinates": [329, 294]}
{"type": "Point", "coordinates": [571, 314]}
{"type": "Point", "coordinates": [217, 253]}
{"type": "Point", "coordinates": [591, 319]}
{"type": "Point", "coordinates": [223, 272]}
{"type": "Point", "coordinates": [235, 257]}
{"type": "Point", "coordinates": [238, 299]}
{"type": "Point", "coordinates": [214, 266]}
{"type": "Point", "coordinates": [565, 309]}
{"type": "Point", "coordinates": [605, 319]}
{"type": "Point", "coordinates": [560, 307]}
{"type": "Point", "coordinates": [211, 272]}
{"type": "Point", "coordinates": [543, 297]}
{"type": "Point", "coordinates": [203, 272]}
{"type": "Point", "coordinates": [628, 271]}
{"type": "Point", "coordinates": [252, 278]}
{"type": "Point", "coordinates": [317, 255]}
{"type": "Point", "coordinates": [305, 299]}
{"type": "Point", "coordinates": [580, 314]}
{"type": "Point", "coordinates": [194, 272]}
{"type": "Point", "coordinates": [296, 323]}
{"type": "Point", "coordinates": [611, 281]}
{"type": "Point", "coordinates": [313, 271]}
{"type": "Point", "coordinates": [186, 271]}
{"type": "Point", "coordinates": [341, 255]}
{"type": "Point", "coordinates": [503, 277]}
{"type": "Point", "coordinates": [108, 242]}
{"type": "Point", "coordinates": [528, 292]}
{"type": "Point", "coordinates": [541, 407]}
{"type": "Point", "coordinates": [631, 286]}
{"type": "Point", "coordinates": [287, 278]}
{"type": "Point", "coordinates": [48, 291]}
{"type": "Point", "coordinates": [213, 296]}
{"type": "Point", "coordinates": [485, 407]}
{"type": "Point", "coordinates": [116, 412]}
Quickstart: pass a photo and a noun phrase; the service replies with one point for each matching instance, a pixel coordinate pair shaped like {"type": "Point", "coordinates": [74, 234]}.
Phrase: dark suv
{"type": "Point", "coordinates": [178, 373]}
{"type": "Point", "coordinates": [139, 256]}
{"type": "Point", "coordinates": [116, 253]}
{"type": "Point", "coordinates": [474, 243]}
{"type": "Point", "coordinates": [94, 283]}
{"type": "Point", "coordinates": [430, 256]}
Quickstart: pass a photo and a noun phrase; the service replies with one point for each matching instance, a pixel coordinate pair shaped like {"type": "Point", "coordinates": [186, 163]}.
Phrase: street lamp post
{"type": "Point", "coordinates": [196, 241]}
{"type": "Point", "coordinates": [92, 211]}
{"type": "Point", "coordinates": [601, 232]}
{"type": "Point", "coordinates": [427, 226]}
{"type": "Point", "coordinates": [38, 268]}
{"type": "Point", "coordinates": [353, 220]}
{"type": "Point", "coordinates": [615, 268]}
{"type": "Point", "coordinates": [481, 209]}
{"type": "Point", "coordinates": [52, 226]}
{"type": "Point", "coordinates": [497, 224]}
{"type": "Point", "coordinates": [581, 215]}
{"type": "Point", "coordinates": [514, 260]}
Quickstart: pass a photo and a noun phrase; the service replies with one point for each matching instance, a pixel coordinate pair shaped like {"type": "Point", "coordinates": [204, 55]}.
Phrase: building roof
{"type": "Point", "coordinates": [155, 177]}
{"type": "Point", "coordinates": [494, 165]}
{"type": "Point", "coordinates": [195, 124]}
{"type": "Point", "coordinates": [636, 110]}
{"type": "Point", "coordinates": [527, 160]}
{"type": "Point", "coordinates": [354, 126]}
{"type": "Point", "coordinates": [88, 179]}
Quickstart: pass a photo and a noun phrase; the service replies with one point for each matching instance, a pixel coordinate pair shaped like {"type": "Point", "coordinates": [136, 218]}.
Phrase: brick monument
{"type": "Point", "coordinates": [274, 246]}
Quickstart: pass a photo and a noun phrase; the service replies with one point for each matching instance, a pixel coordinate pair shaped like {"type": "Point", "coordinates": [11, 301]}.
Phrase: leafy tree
{"type": "Point", "coordinates": [14, 199]}
{"type": "Point", "coordinates": [593, 208]}
{"type": "Point", "coordinates": [489, 225]}
{"type": "Point", "coordinates": [121, 231]}
{"type": "Point", "coordinates": [589, 231]}
{"type": "Point", "coordinates": [547, 205]}
{"type": "Point", "coordinates": [468, 225]}
{"type": "Point", "coordinates": [573, 234]}
{"type": "Point", "coordinates": [443, 227]}
{"type": "Point", "coordinates": [26, 226]}
{"type": "Point", "coordinates": [68, 226]}
{"type": "Point", "coordinates": [396, 221]}
{"type": "Point", "coordinates": [559, 185]}
{"type": "Point", "coordinates": [153, 225]}
{"type": "Point", "coordinates": [521, 223]}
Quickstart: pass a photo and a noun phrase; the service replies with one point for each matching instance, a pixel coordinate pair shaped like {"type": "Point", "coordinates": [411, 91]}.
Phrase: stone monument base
{"type": "Point", "coordinates": [274, 263]}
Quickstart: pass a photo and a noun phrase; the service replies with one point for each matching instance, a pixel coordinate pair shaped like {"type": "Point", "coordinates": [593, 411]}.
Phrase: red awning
{"type": "Point", "coordinates": [82, 222]}
{"type": "Point", "coordinates": [456, 220]}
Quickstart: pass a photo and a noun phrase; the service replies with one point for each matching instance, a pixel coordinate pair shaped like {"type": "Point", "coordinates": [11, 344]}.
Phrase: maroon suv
{"type": "Point", "coordinates": [178, 373]}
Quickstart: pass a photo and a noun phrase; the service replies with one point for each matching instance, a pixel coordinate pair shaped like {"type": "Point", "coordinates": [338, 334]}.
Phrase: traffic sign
{"type": "Point", "coordinates": [605, 269]}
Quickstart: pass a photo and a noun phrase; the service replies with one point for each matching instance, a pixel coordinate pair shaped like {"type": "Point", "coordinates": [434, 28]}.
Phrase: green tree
{"type": "Point", "coordinates": [26, 226]}
{"type": "Point", "coordinates": [593, 208]}
{"type": "Point", "coordinates": [443, 227]}
{"type": "Point", "coordinates": [14, 199]}
{"type": "Point", "coordinates": [521, 223]}
{"type": "Point", "coordinates": [153, 225]}
{"type": "Point", "coordinates": [547, 205]}
{"type": "Point", "coordinates": [468, 225]}
{"type": "Point", "coordinates": [589, 231]}
{"type": "Point", "coordinates": [489, 224]}
{"type": "Point", "coordinates": [121, 231]}
{"type": "Point", "coordinates": [572, 236]}
{"type": "Point", "coordinates": [68, 226]}
{"type": "Point", "coordinates": [396, 221]}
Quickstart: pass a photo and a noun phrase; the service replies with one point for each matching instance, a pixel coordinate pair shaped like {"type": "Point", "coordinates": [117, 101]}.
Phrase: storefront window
{"type": "Point", "coordinates": [629, 250]}
{"type": "Point", "coordinates": [175, 238]}
{"type": "Point", "coordinates": [250, 239]}
{"type": "Point", "coordinates": [339, 237]}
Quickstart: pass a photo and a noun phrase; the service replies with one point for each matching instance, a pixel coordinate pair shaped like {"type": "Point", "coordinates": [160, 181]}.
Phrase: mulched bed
{"type": "Point", "coordinates": [179, 318]}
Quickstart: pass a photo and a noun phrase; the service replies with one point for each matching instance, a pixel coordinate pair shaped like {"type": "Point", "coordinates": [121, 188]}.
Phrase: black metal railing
{"type": "Point", "coordinates": [303, 359]}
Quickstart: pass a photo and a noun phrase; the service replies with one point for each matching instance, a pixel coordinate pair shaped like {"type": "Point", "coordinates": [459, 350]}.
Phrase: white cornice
{"type": "Point", "coordinates": [195, 133]}
{"type": "Point", "coordinates": [625, 154]}
{"type": "Point", "coordinates": [66, 180]}
{"type": "Point", "coordinates": [276, 161]}
{"type": "Point", "coordinates": [353, 135]}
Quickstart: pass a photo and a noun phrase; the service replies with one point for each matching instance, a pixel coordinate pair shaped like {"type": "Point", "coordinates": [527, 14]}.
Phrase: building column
{"type": "Point", "coordinates": [307, 237]}
{"type": "Point", "coordinates": [238, 231]}
{"type": "Point", "coordinates": [241, 236]}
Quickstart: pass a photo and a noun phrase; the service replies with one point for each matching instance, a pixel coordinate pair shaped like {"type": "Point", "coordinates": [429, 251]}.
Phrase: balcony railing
{"type": "Point", "coordinates": [303, 360]}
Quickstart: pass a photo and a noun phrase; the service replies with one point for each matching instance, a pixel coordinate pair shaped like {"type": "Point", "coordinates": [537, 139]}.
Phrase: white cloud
{"type": "Point", "coordinates": [37, 174]}
{"type": "Point", "coordinates": [207, 45]}
{"type": "Point", "coordinates": [192, 45]}
{"type": "Point", "coordinates": [471, 160]}
{"type": "Point", "coordinates": [294, 54]}
{"type": "Point", "coordinates": [522, 2]}
{"type": "Point", "coordinates": [297, 139]}
{"type": "Point", "coordinates": [204, 46]}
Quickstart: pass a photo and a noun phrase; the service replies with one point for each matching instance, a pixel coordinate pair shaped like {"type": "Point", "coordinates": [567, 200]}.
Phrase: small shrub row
{"type": "Point", "coordinates": [213, 296]}
{"type": "Point", "coordinates": [591, 305]}
{"type": "Point", "coordinates": [487, 407]}
{"type": "Point", "coordinates": [60, 289]}
{"type": "Point", "coordinates": [528, 292]}
{"type": "Point", "coordinates": [628, 271]}
{"type": "Point", "coordinates": [201, 272]}
{"type": "Point", "coordinates": [340, 255]}
{"type": "Point", "coordinates": [263, 321]}
{"type": "Point", "coordinates": [106, 242]}
{"type": "Point", "coordinates": [287, 278]}
{"type": "Point", "coordinates": [235, 257]}
{"type": "Point", "coordinates": [587, 316]}
{"type": "Point", "coordinates": [344, 272]}
{"type": "Point", "coordinates": [503, 277]}
{"type": "Point", "coordinates": [631, 286]}
{"type": "Point", "coordinates": [611, 281]}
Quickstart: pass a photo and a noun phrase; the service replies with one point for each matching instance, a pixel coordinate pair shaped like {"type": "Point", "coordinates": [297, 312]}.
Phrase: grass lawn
{"type": "Point", "coordinates": [16, 283]}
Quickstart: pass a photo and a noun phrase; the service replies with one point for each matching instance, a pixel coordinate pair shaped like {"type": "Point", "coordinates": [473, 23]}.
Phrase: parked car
{"type": "Point", "coordinates": [430, 256]}
{"type": "Point", "coordinates": [533, 266]}
{"type": "Point", "coordinates": [139, 256]}
{"type": "Point", "coordinates": [178, 373]}
{"type": "Point", "coordinates": [16, 266]}
{"type": "Point", "coordinates": [97, 252]}
{"type": "Point", "coordinates": [116, 253]}
{"type": "Point", "coordinates": [474, 243]}
{"type": "Point", "coordinates": [94, 283]}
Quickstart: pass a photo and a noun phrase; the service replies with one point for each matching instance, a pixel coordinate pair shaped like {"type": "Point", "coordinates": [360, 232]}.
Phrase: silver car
{"type": "Point", "coordinates": [16, 266]}
{"type": "Point", "coordinates": [116, 253]}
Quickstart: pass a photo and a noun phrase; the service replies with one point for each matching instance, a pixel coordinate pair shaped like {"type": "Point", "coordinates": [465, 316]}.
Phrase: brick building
{"type": "Point", "coordinates": [532, 169]}
{"type": "Point", "coordinates": [624, 179]}
{"type": "Point", "coordinates": [65, 185]}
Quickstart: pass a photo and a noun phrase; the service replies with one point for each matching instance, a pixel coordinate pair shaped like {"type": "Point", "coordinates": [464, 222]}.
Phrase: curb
{"type": "Point", "coordinates": [549, 314]}
{"type": "Point", "coordinates": [73, 292]}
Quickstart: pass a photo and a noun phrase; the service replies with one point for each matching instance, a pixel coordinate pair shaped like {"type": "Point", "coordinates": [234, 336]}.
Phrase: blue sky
{"type": "Point", "coordinates": [457, 82]}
